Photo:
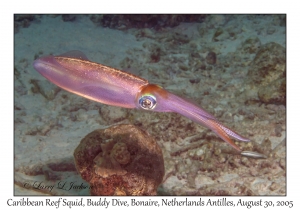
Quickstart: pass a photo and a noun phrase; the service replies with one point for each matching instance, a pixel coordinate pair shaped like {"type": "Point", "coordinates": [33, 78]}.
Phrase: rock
{"type": "Point", "coordinates": [46, 89]}
{"type": "Point", "coordinates": [274, 93]}
{"type": "Point", "coordinates": [268, 65]}
{"type": "Point", "coordinates": [112, 114]}
{"type": "Point", "coordinates": [218, 34]}
{"type": "Point", "coordinates": [180, 38]}
{"type": "Point", "coordinates": [120, 160]}
{"type": "Point", "coordinates": [251, 45]}
{"type": "Point", "coordinates": [194, 81]}
{"type": "Point", "coordinates": [267, 73]}
{"type": "Point", "coordinates": [211, 58]}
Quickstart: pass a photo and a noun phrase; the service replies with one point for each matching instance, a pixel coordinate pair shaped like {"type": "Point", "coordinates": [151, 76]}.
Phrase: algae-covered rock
{"type": "Point", "coordinates": [268, 65]}
{"type": "Point", "coordinates": [275, 92]}
{"type": "Point", "coordinates": [120, 160]}
{"type": "Point", "coordinates": [251, 45]}
{"type": "Point", "coordinates": [267, 73]}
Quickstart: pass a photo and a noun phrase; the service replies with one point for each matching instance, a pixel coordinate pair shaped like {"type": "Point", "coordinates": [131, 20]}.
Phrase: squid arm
{"type": "Point", "coordinates": [73, 72]}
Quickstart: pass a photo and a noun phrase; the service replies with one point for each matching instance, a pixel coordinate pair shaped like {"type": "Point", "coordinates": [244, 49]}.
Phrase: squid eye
{"type": "Point", "coordinates": [147, 102]}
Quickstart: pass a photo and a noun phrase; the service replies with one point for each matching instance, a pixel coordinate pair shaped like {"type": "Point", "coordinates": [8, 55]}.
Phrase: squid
{"type": "Point", "coordinates": [74, 72]}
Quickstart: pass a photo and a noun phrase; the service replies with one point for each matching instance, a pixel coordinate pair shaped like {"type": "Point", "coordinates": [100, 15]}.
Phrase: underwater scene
{"type": "Point", "coordinates": [150, 104]}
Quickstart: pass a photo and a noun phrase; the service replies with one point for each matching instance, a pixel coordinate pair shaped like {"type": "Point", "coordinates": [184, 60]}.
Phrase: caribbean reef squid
{"type": "Point", "coordinates": [74, 72]}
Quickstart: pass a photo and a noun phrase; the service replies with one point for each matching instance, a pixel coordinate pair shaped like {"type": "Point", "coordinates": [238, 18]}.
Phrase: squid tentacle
{"type": "Point", "coordinates": [202, 117]}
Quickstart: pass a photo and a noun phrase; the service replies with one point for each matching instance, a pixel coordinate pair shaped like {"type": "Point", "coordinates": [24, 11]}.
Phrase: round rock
{"type": "Point", "coordinates": [120, 160]}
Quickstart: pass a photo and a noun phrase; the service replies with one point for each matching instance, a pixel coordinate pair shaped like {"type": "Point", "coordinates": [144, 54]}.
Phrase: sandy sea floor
{"type": "Point", "coordinates": [49, 122]}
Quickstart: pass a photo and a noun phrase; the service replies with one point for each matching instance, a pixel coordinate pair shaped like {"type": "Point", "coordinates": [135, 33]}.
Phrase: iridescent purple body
{"type": "Point", "coordinates": [75, 73]}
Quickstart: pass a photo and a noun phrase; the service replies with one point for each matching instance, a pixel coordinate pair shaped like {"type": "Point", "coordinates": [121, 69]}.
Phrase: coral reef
{"type": "Point", "coordinates": [120, 160]}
